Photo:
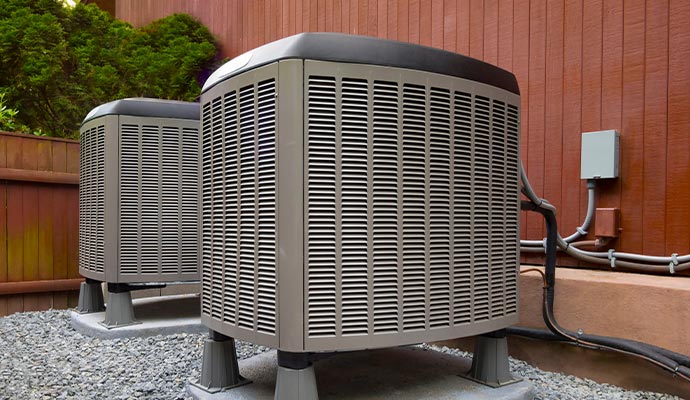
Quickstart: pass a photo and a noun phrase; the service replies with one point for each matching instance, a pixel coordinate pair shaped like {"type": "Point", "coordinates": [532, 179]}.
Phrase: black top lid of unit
{"type": "Point", "coordinates": [144, 107]}
{"type": "Point", "coordinates": [339, 47]}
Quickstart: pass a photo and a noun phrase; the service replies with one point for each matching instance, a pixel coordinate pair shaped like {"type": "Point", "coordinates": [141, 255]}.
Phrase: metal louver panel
{"type": "Point", "coordinates": [158, 217]}
{"type": "Point", "coordinates": [463, 211]}
{"type": "Point", "coordinates": [414, 207]}
{"type": "Point", "coordinates": [512, 221]}
{"type": "Point", "coordinates": [412, 212]}
{"type": "Point", "coordinates": [384, 170]}
{"type": "Point", "coordinates": [440, 220]}
{"type": "Point", "coordinates": [354, 206]}
{"type": "Point", "coordinates": [322, 223]}
{"type": "Point", "coordinates": [480, 203]}
{"type": "Point", "coordinates": [129, 195]}
{"type": "Point", "coordinates": [92, 199]}
{"type": "Point", "coordinates": [188, 255]}
{"type": "Point", "coordinates": [238, 197]}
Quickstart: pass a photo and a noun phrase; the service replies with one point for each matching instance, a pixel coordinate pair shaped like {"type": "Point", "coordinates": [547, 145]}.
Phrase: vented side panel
{"type": "Point", "coordinates": [322, 226]}
{"type": "Point", "coordinates": [385, 201]}
{"type": "Point", "coordinates": [158, 203]}
{"type": "Point", "coordinates": [92, 199]}
{"type": "Point", "coordinates": [239, 207]}
{"type": "Point", "coordinates": [411, 184]}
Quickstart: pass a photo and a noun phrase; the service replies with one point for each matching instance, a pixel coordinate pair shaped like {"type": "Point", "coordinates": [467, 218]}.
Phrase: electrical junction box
{"type": "Point", "coordinates": [599, 155]}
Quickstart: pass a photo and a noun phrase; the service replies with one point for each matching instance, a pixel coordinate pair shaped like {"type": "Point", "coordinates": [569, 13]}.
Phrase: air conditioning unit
{"type": "Point", "coordinates": [138, 199]}
{"type": "Point", "coordinates": [358, 193]}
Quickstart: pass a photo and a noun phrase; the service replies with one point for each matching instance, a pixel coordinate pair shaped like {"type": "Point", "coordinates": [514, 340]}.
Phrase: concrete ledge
{"type": "Point", "coordinates": [395, 373]}
{"type": "Point", "coordinates": [164, 315]}
{"type": "Point", "coordinates": [647, 308]}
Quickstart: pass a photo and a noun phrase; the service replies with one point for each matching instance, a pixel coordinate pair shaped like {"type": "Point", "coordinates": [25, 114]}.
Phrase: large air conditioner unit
{"type": "Point", "coordinates": [358, 193]}
{"type": "Point", "coordinates": [138, 198]}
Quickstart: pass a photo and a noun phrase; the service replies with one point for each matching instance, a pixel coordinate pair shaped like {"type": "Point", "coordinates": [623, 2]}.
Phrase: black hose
{"type": "Point", "coordinates": [593, 341]}
{"type": "Point", "coordinates": [543, 334]}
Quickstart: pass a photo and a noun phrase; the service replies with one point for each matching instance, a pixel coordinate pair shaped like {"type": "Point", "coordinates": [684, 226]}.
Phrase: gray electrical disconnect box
{"type": "Point", "coordinates": [599, 155]}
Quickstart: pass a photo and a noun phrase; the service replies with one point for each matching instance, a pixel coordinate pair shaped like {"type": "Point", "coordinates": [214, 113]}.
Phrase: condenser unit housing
{"type": "Point", "coordinates": [358, 193]}
{"type": "Point", "coordinates": [138, 192]}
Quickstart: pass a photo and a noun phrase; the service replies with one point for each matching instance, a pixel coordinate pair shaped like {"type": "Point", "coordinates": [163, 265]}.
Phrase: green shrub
{"type": "Point", "coordinates": [8, 120]}
{"type": "Point", "coordinates": [57, 63]}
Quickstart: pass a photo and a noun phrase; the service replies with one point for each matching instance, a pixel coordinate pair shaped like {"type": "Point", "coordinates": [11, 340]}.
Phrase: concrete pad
{"type": "Point", "coordinates": [164, 315]}
{"type": "Point", "coordinates": [400, 373]}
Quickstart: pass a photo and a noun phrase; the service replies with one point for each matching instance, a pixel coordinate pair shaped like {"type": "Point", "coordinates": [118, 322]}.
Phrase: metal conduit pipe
{"type": "Point", "coordinates": [632, 261]}
{"type": "Point", "coordinates": [578, 254]}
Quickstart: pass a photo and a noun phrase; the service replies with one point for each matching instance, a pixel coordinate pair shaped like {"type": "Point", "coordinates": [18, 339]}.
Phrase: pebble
{"type": "Point", "coordinates": [42, 357]}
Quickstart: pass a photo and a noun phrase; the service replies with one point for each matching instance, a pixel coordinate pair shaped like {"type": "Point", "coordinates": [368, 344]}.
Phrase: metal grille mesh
{"type": "Point", "coordinates": [158, 200]}
{"type": "Point", "coordinates": [92, 199]}
{"type": "Point", "coordinates": [412, 207]}
{"type": "Point", "coordinates": [239, 208]}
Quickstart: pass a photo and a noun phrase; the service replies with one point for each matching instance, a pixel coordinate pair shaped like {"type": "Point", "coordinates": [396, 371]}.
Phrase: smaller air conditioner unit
{"type": "Point", "coordinates": [138, 196]}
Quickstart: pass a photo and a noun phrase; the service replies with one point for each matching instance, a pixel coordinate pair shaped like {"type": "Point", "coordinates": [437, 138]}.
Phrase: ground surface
{"type": "Point", "coordinates": [42, 357]}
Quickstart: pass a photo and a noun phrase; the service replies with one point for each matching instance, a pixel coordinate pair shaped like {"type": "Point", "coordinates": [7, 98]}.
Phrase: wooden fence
{"type": "Point", "coordinates": [39, 223]}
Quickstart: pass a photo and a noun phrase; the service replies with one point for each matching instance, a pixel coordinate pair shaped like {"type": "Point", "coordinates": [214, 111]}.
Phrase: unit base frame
{"type": "Point", "coordinates": [219, 369]}
{"type": "Point", "coordinates": [490, 364]}
{"type": "Point", "coordinates": [90, 297]}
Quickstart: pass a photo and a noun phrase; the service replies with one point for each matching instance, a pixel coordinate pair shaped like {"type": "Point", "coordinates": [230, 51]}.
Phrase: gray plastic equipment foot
{"type": "Point", "coordinates": [219, 369]}
{"type": "Point", "coordinates": [119, 311]}
{"type": "Point", "coordinates": [90, 297]}
{"type": "Point", "coordinates": [490, 364]}
{"type": "Point", "coordinates": [296, 379]}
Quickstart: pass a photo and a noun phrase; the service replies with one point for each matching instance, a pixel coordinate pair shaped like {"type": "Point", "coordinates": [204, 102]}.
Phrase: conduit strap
{"type": "Point", "coordinates": [673, 263]}
{"type": "Point", "coordinates": [612, 258]}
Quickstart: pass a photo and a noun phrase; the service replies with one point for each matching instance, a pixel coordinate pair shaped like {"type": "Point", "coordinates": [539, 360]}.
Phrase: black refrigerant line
{"type": "Point", "coordinates": [678, 364]}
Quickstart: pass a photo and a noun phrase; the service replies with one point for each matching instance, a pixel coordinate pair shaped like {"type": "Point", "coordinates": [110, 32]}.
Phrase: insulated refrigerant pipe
{"type": "Point", "coordinates": [592, 341]}
{"type": "Point", "coordinates": [632, 261]}
{"type": "Point", "coordinates": [580, 231]}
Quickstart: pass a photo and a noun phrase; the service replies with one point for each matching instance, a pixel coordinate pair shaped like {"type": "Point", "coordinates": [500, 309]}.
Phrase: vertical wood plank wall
{"type": "Point", "coordinates": [582, 65]}
{"type": "Point", "coordinates": [39, 222]}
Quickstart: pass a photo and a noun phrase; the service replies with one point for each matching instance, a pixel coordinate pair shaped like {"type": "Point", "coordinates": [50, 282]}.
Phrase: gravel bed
{"type": "Point", "coordinates": [42, 357]}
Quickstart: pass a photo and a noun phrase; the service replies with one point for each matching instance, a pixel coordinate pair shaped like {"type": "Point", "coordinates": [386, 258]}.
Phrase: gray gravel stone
{"type": "Point", "coordinates": [42, 357]}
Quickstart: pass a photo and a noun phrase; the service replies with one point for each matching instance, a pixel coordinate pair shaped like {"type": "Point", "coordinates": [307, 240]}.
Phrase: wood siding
{"type": "Point", "coordinates": [39, 222]}
{"type": "Point", "coordinates": [582, 65]}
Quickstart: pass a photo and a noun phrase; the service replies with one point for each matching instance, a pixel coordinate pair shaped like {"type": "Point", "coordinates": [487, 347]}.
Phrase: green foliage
{"type": "Point", "coordinates": [8, 120]}
{"type": "Point", "coordinates": [57, 63]}
{"type": "Point", "coordinates": [8, 116]}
